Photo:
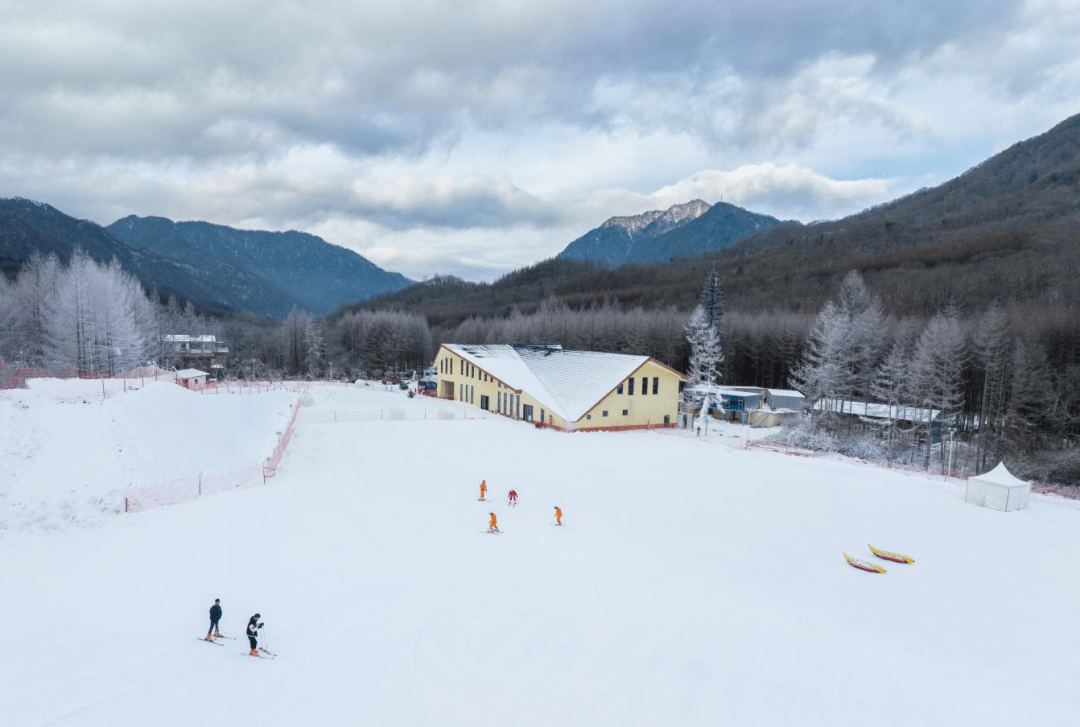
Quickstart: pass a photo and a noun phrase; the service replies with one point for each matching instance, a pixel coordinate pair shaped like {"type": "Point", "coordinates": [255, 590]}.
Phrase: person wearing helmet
{"type": "Point", "coordinates": [253, 633]}
{"type": "Point", "coordinates": [558, 515]}
{"type": "Point", "coordinates": [483, 489]}
{"type": "Point", "coordinates": [493, 526]}
{"type": "Point", "coordinates": [511, 499]}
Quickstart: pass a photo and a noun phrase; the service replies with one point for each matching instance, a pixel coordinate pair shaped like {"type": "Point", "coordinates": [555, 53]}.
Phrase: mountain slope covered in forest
{"type": "Point", "coordinates": [284, 268]}
{"type": "Point", "coordinates": [1005, 230]}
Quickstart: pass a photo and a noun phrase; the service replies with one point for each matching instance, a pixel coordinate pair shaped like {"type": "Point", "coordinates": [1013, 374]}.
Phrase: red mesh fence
{"type": "Point", "coordinates": [14, 377]}
{"type": "Point", "coordinates": [269, 468]}
{"type": "Point", "coordinates": [185, 489]}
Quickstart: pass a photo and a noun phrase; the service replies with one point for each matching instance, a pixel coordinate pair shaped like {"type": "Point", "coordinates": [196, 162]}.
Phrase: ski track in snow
{"type": "Point", "coordinates": [694, 583]}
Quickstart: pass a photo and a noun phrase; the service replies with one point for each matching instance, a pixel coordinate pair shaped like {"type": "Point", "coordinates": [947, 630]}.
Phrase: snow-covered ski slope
{"type": "Point", "coordinates": [692, 584]}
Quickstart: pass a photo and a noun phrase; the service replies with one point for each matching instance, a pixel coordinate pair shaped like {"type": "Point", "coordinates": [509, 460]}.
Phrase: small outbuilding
{"type": "Point", "coordinates": [998, 489]}
{"type": "Point", "coordinates": [191, 377]}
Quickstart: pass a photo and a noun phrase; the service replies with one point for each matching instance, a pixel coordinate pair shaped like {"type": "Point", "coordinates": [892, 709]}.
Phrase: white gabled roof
{"type": "Point", "coordinates": [568, 383]}
{"type": "Point", "coordinates": [190, 373]}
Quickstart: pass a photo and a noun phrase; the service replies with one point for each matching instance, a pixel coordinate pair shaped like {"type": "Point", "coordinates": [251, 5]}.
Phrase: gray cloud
{"type": "Point", "coordinates": [465, 122]}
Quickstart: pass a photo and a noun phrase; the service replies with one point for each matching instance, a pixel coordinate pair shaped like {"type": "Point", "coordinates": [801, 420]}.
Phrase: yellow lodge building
{"type": "Point", "coordinates": [567, 390]}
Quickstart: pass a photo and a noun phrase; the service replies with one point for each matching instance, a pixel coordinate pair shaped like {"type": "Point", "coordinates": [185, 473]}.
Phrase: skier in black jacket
{"type": "Point", "coordinates": [215, 616]}
{"type": "Point", "coordinates": [253, 632]}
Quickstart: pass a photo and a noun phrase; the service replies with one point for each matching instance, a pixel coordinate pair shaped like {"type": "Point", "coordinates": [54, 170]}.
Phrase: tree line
{"type": "Point", "coordinates": [1005, 379]}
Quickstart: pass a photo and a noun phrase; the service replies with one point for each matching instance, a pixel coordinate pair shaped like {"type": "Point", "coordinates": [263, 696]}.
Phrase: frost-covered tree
{"type": "Point", "coordinates": [936, 375]}
{"type": "Point", "coordinates": [711, 301]}
{"type": "Point", "coordinates": [706, 355]}
{"type": "Point", "coordinates": [824, 374]}
{"type": "Point", "coordinates": [1031, 399]}
{"type": "Point", "coordinates": [889, 387]}
{"type": "Point", "coordinates": [314, 348]}
{"type": "Point", "coordinates": [24, 317]}
{"type": "Point", "coordinates": [991, 353]}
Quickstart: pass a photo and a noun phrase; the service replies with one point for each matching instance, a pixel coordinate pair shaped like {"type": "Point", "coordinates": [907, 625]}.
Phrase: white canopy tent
{"type": "Point", "coordinates": [998, 489]}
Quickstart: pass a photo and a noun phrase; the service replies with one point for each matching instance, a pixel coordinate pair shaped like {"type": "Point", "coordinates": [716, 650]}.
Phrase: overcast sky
{"type": "Point", "coordinates": [473, 138]}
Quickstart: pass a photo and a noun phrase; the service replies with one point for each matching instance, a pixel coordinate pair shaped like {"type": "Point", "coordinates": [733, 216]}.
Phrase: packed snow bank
{"type": "Point", "coordinates": [68, 451]}
{"type": "Point", "coordinates": [692, 584]}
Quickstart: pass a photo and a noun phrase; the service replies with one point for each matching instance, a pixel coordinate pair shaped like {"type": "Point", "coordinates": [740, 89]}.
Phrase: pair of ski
{"type": "Point", "coordinates": [216, 643]}
{"type": "Point", "coordinates": [264, 655]}
{"type": "Point", "coordinates": [874, 567]}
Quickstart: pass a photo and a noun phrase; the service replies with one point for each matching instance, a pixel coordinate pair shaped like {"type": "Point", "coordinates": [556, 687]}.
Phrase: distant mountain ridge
{"type": "Point", "coordinates": [214, 267]}
{"type": "Point", "coordinates": [28, 227]}
{"type": "Point", "coordinates": [281, 268]}
{"type": "Point", "coordinates": [662, 235]}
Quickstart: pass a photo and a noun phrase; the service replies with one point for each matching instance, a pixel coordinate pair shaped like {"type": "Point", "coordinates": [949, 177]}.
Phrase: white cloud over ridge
{"type": "Point", "coordinates": [479, 137]}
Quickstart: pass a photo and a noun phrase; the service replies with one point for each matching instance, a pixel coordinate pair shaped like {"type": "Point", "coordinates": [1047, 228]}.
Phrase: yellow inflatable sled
{"type": "Point", "coordinates": [863, 565]}
{"type": "Point", "coordinates": [886, 555]}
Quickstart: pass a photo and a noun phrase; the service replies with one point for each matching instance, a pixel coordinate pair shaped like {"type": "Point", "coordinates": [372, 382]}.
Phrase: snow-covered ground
{"type": "Point", "coordinates": [694, 583]}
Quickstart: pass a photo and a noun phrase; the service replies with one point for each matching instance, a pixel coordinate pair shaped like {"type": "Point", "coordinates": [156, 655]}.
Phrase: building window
{"type": "Point", "coordinates": [605, 412]}
{"type": "Point", "coordinates": [644, 385]}
{"type": "Point", "coordinates": [626, 412]}
{"type": "Point", "coordinates": [619, 389]}
{"type": "Point", "coordinates": [588, 416]}
{"type": "Point", "coordinates": [527, 412]}
{"type": "Point", "coordinates": [656, 384]}
{"type": "Point", "coordinates": [630, 386]}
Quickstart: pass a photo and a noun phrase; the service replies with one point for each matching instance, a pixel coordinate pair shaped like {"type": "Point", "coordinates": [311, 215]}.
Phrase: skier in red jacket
{"type": "Point", "coordinates": [511, 499]}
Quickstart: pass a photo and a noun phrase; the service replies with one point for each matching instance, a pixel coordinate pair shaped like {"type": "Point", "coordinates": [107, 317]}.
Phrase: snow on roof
{"type": "Point", "coordinates": [183, 338]}
{"type": "Point", "coordinates": [569, 383]}
{"type": "Point", "coordinates": [190, 373]}
{"type": "Point", "coordinates": [1000, 475]}
{"type": "Point", "coordinates": [880, 411]}
{"type": "Point", "coordinates": [786, 392]}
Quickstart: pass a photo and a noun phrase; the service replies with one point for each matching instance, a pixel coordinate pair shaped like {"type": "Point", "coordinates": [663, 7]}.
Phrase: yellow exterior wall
{"type": "Point", "coordinates": [642, 410]}
{"type": "Point", "coordinates": [646, 410]}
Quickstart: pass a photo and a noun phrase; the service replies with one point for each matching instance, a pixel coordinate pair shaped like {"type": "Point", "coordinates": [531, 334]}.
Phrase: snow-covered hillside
{"type": "Point", "coordinates": [69, 447]}
{"type": "Point", "coordinates": [693, 583]}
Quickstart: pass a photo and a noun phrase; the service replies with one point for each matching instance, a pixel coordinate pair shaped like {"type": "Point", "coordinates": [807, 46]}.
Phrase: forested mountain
{"type": "Point", "coordinates": [28, 227]}
{"type": "Point", "coordinates": [258, 271]}
{"type": "Point", "coordinates": [1005, 230]}
{"type": "Point", "coordinates": [659, 236]}
{"type": "Point", "coordinates": [214, 267]}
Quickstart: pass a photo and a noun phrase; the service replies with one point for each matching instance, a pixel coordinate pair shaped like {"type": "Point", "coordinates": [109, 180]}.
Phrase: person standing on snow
{"type": "Point", "coordinates": [558, 515]}
{"type": "Point", "coordinates": [253, 633]}
{"type": "Point", "coordinates": [511, 499]}
{"type": "Point", "coordinates": [215, 616]}
{"type": "Point", "coordinates": [483, 489]}
{"type": "Point", "coordinates": [493, 526]}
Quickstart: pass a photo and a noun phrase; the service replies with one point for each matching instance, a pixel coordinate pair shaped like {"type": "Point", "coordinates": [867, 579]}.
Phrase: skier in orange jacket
{"type": "Point", "coordinates": [483, 489]}
{"type": "Point", "coordinates": [493, 526]}
{"type": "Point", "coordinates": [558, 515]}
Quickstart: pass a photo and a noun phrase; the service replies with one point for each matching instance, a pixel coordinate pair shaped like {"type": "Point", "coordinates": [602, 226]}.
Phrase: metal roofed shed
{"type": "Point", "coordinates": [998, 489]}
{"type": "Point", "coordinates": [786, 400]}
